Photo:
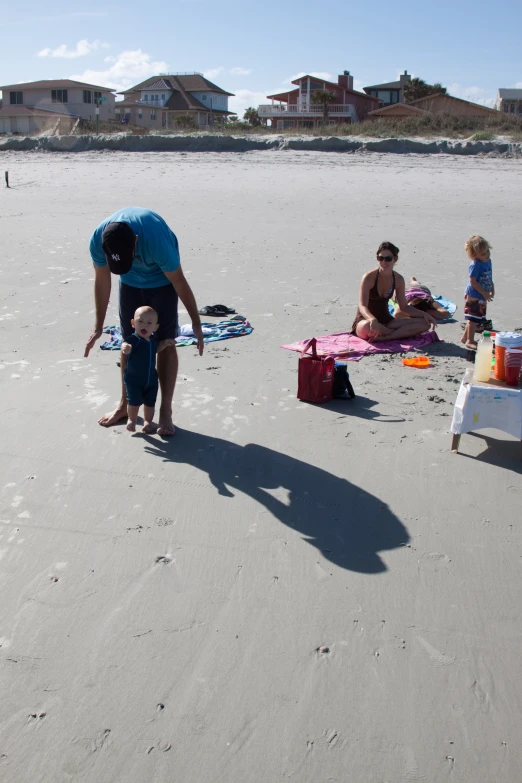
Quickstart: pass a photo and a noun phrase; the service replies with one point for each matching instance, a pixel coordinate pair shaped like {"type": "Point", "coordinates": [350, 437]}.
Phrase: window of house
{"type": "Point", "coordinates": [87, 96]}
{"type": "Point", "coordinates": [59, 96]}
{"type": "Point", "coordinates": [153, 114]}
{"type": "Point", "coordinates": [16, 98]}
{"type": "Point", "coordinates": [162, 97]}
{"type": "Point", "coordinates": [140, 114]}
{"type": "Point", "coordinates": [316, 85]}
{"type": "Point", "coordinates": [96, 95]}
{"type": "Point", "coordinates": [384, 95]}
{"type": "Point", "coordinates": [203, 97]}
{"type": "Point", "coordinates": [506, 106]}
{"type": "Point", "coordinates": [394, 96]}
{"type": "Point", "coordinates": [512, 108]}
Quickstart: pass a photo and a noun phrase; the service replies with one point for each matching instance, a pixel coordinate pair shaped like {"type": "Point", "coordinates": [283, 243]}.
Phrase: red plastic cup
{"type": "Point", "coordinates": [513, 365]}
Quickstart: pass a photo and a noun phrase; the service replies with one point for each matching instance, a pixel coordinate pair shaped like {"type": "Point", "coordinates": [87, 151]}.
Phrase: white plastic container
{"type": "Point", "coordinates": [482, 369]}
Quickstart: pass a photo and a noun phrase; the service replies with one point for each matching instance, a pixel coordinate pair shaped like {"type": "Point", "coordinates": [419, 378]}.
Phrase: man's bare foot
{"type": "Point", "coordinates": [131, 426]}
{"type": "Point", "coordinates": [165, 426]}
{"type": "Point", "coordinates": [113, 418]}
{"type": "Point", "coordinates": [471, 346]}
{"type": "Point", "coordinates": [148, 427]}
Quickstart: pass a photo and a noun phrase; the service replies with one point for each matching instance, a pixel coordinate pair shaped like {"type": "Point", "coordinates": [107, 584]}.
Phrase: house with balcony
{"type": "Point", "coordinates": [295, 108]}
{"type": "Point", "coordinates": [509, 100]}
{"type": "Point", "coordinates": [52, 103]}
{"type": "Point", "coordinates": [159, 102]}
{"type": "Point", "coordinates": [389, 93]}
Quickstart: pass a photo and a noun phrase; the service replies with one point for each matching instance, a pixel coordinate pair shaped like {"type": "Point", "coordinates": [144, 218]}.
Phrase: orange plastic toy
{"type": "Point", "coordinates": [417, 361]}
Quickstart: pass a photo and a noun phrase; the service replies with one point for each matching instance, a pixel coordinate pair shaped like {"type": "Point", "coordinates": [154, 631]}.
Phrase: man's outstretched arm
{"type": "Point", "coordinates": [184, 291]}
{"type": "Point", "coordinates": [102, 293]}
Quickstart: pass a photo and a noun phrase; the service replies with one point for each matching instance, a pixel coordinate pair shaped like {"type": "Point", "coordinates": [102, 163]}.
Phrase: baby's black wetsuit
{"type": "Point", "coordinates": [141, 377]}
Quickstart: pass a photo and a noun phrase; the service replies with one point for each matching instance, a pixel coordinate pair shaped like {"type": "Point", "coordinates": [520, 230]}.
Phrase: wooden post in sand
{"type": "Point", "coordinates": [7, 179]}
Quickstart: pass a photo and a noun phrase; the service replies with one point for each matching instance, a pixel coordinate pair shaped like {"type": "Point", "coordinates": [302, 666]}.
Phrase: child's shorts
{"type": "Point", "coordinates": [139, 395]}
{"type": "Point", "coordinates": [474, 309]}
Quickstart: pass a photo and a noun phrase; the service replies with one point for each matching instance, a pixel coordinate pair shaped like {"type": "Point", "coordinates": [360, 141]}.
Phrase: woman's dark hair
{"type": "Point", "coordinates": [388, 246]}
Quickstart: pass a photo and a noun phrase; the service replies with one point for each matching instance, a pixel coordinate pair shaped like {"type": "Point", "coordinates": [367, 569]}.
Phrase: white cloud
{"type": "Point", "coordinates": [124, 71]}
{"type": "Point", "coordinates": [474, 94]}
{"type": "Point", "coordinates": [518, 85]}
{"type": "Point", "coordinates": [83, 48]}
{"type": "Point", "coordinates": [245, 98]}
{"type": "Point", "coordinates": [213, 73]}
{"type": "Point", "coordinates": [318, 74]}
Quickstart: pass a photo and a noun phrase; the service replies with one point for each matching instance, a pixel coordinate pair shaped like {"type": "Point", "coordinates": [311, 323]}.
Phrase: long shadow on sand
{"type": "Point", "coordinates": [348, 525]}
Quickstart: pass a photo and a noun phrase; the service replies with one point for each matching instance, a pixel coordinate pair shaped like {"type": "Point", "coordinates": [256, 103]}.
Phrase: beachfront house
{"type": "Point", "coordinates": [509, 100]}
{"type": "Point", "coordinates": [174, 100]}
{"type": "Point", "coordinates": [437, 103]}
{"type": "Point", "coordinates": [52, 103]}
{"type": "Point", "coordinates": [389, 93]}
{"type": "Point", "coordinates": [296, 109]}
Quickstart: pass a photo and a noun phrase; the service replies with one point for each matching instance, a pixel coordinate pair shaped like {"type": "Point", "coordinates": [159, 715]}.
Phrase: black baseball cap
{"type": "Point", "coordinates": [119, 245]}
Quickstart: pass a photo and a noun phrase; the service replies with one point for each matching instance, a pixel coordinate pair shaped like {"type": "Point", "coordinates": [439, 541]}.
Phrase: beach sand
{"type": "Point", "coordinates": [281, 591]}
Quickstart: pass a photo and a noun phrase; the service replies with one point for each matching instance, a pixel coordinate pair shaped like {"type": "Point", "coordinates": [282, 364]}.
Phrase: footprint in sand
{"type": "Point", "coordinates": [438, 658]}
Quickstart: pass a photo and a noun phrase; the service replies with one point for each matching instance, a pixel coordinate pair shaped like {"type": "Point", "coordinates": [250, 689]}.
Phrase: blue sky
{"type": "Point", "coordinates": [253, 49]}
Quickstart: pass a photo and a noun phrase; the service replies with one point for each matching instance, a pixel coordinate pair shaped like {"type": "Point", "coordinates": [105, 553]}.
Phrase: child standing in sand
{"type": "Point", "coordinates": [141, 376]}
{"type": "Point", "coordinates": [480, 289]}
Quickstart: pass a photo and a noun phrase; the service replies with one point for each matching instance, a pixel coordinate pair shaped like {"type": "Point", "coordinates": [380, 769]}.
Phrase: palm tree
{"type": "Point", "coordinates": [324, 98]}
{"type": "Point", "coordinates": [251, 116]}
{"type": "Point", "coordinates": [417, 88]}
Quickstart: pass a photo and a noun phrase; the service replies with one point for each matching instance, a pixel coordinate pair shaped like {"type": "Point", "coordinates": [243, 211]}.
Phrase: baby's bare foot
{"type": "Point", "coordinates": [131, 426]}
{"type": "Point", "coordinates": [149, 427]}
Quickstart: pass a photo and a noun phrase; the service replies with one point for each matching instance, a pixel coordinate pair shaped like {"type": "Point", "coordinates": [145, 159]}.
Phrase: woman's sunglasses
{"type": "Point", "coordinates": [385, 258]}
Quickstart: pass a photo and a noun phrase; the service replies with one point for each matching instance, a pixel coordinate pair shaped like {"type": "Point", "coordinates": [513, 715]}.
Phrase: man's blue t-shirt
{"type": "Point", "coordinates": [482, 271]}
{"type": "Point", "coordinates": [157, 250]}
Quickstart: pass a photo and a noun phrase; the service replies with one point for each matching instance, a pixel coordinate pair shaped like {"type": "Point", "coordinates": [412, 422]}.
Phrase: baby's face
{"type": "Point", "coordinates": [145, 322]}
{"type": "Point", "coordinates": [483, 255]}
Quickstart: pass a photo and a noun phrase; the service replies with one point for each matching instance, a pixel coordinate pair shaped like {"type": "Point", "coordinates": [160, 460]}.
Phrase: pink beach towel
{"type": "Point", "coordinates": [348, 347]}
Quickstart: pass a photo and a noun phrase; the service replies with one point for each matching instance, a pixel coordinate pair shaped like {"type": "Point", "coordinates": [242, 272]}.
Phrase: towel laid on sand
{"type": "Point", "coordinates": [445, 303]}
{"type": "Point", "coordinates": [348, 347]}
{"type": "Point", "coordinates": [223, 330]}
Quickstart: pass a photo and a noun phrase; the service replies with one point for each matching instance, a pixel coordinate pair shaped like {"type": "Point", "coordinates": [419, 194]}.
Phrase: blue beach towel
{"type": "Point", "coordinates": [222, 330]}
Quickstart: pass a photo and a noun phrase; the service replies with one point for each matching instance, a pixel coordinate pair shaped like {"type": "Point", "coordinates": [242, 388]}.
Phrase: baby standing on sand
{"type": "Point", "coordinates": [480, 289]}
{"type": "Point", "coordinates": [141, 376]}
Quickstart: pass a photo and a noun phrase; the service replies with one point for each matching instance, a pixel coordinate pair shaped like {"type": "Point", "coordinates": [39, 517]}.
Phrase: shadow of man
{"type": "Point", "coordinates": [347, 524]}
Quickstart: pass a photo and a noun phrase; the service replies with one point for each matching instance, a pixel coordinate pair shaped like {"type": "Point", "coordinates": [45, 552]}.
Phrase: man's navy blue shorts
{"type": "Point", "coordinates": [163, 299]}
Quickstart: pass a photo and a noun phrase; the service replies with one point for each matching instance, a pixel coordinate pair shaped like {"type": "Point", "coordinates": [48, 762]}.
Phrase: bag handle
{"type": "Point", "coordinates": [313, 343]}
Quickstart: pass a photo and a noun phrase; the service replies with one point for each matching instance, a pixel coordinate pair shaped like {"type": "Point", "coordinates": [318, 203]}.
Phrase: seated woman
{"type": "Point", "coordinates": [373, 321]}
{"type": "Point", "coordinates": [419, 296]}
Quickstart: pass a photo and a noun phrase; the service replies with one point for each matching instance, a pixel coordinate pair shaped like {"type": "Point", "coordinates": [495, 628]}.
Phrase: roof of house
{"type": "Point", "coordinates": [53, 84]}
{"type": "Point", "coordinates": [510, 93]}
{"type": "Point", "coordinates": [444, 96]}
{"type": "Point", "coordinates": [388, 86]}
{"type": "Point", "coordinates": [397, 109]}
{"type": "Point", "coordinates": [282, 96]}
{"type": "Point", "coordinates": [189, 82]}
{"type": "Point", "coordinates": [12, 111]}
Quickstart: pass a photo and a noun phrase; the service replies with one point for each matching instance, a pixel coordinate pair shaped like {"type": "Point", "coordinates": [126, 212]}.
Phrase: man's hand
{"type": "Point", "coordinates": [92, 339]}
{"type": "Point", "coordinates": [198, 333]}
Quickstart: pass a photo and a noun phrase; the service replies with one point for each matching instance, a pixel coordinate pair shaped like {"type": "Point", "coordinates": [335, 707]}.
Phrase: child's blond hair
{"type": "Point", "coordinates": [476, 244]}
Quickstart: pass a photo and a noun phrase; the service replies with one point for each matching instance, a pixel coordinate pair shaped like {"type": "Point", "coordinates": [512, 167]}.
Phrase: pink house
{"type": "Point", "coordinates": [295, 109]}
